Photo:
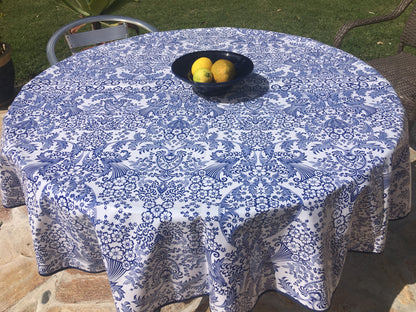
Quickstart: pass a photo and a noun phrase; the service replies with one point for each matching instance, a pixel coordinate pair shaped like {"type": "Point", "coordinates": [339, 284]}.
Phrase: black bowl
{"type": "Point", "coordinates": [181, 68]}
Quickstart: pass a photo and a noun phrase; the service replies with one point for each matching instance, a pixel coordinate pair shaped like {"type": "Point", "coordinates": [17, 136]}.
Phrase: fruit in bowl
{"type": "Point", "coordinates": [204, 71]}
{"type": "Point", "coordinates": [202, 62]}
{"type": "Point", "coordinates": [227, 69]}
{"type": "Point", "coordinates": [223, 70]}
{"type": "Point", "coordinates": [202, 75]}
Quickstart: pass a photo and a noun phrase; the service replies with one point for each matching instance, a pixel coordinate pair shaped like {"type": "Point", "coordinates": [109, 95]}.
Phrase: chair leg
{"type": "Point", "coordinates": [412, 134]}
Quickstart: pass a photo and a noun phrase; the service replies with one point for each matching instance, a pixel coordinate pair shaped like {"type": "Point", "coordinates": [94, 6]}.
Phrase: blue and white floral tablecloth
{"type": "Point", "coordinates": [124, 168]}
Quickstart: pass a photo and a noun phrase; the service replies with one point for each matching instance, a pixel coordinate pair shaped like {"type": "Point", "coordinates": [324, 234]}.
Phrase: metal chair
{"type": "Point", "coordinates": [99, 34]}
{"type": "Point", "coordinates": [398, 69]}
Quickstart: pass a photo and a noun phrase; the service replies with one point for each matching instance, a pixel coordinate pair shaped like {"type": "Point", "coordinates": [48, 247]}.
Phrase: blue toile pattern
{"type": "Point", "coordinates": [124, 168]}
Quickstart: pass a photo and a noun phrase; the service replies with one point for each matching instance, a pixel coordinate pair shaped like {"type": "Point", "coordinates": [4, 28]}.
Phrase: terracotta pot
{"type": "Point", "coordinates": [6, 74]}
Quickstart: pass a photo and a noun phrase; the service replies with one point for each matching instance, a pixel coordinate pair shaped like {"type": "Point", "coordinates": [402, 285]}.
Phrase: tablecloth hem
{"type": "Point", "coordinates": [70, 267]}
{"type": "Point", "coordinates": [13, 206]}
{"type": "Point", "coordinates": [400, 217]}
{"type": "Point", "coordinates": [290, 298]}
{"type": "Point", "coordinates": [258, 298]}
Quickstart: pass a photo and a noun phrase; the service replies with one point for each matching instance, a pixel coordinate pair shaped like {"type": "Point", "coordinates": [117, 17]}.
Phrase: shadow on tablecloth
{"type": "Point", "coordinates": [371, 282]}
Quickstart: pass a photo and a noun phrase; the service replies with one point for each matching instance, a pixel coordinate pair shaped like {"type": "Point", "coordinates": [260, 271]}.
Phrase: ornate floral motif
{"type": "Point", "coordinates": [124, 168]}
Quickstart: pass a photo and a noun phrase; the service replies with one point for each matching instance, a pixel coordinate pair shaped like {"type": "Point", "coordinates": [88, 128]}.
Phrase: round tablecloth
{"type": "Point", "coordinates": [124, 168]}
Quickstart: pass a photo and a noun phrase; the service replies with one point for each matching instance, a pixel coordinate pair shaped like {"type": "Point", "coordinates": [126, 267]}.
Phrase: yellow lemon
{"type": "Point", "coordinates": [202, 62]}
{"type": "Point", "coordinates": [202, 75]}
{"type": "Point", "coordinates": [223, 70]}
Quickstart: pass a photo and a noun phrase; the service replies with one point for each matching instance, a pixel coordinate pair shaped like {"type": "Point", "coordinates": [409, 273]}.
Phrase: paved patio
{"type": "Point", "coordinates": [370, 282]}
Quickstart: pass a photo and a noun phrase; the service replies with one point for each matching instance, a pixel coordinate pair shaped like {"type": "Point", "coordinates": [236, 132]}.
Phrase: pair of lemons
{"type": "Point", "coordinates": [204, 71]}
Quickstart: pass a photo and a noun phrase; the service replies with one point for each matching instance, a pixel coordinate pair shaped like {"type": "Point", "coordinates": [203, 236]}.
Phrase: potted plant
{"type": "Point", "coordinates": [6, 73]}
{"type": "Point", "coordinates": [86, 8]}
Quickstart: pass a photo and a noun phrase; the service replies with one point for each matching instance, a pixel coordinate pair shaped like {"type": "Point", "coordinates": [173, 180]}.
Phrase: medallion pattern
{"type": "Point", "coordinates": [124, 168]}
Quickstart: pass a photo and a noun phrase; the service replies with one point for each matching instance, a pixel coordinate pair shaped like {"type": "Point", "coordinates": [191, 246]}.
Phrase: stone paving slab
{"type": "Point", "coordinates": [369, 283]}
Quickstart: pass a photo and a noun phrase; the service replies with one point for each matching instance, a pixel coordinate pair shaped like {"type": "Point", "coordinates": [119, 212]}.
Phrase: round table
{"type": "Point", "coordinates": [176, 195]}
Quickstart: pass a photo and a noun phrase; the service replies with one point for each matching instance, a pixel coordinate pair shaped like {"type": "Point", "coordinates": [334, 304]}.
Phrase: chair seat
{"type": "Point", "coordinates": [400, 71]}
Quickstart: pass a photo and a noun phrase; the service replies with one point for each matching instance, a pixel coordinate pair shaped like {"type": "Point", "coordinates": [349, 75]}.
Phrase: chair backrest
{"type": "Point", "coordinates": [88, 38]}
{"type": "Point", "coordinates": [408, 37]}
{"type": "Point", "coordinates": [398, 10]}
{"type": "Point", "coordinates": [92, 37]}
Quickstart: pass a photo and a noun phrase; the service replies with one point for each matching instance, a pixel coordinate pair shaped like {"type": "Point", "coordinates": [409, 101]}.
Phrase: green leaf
{"type": "Point", "coordinates": [92, 7]}
{"type": "Point", "coordinates": [115, 5]}
{"type": "Point", "coordinates": [98, 6]}
{"type": "Point", "coordinates": [75, 6]}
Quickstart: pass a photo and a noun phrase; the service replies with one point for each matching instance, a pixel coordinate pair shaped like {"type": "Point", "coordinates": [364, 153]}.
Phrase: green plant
{"type": "Point", "coordinates": [28, 25]}
{"type": "Point", "coordinates": [91, 7]}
